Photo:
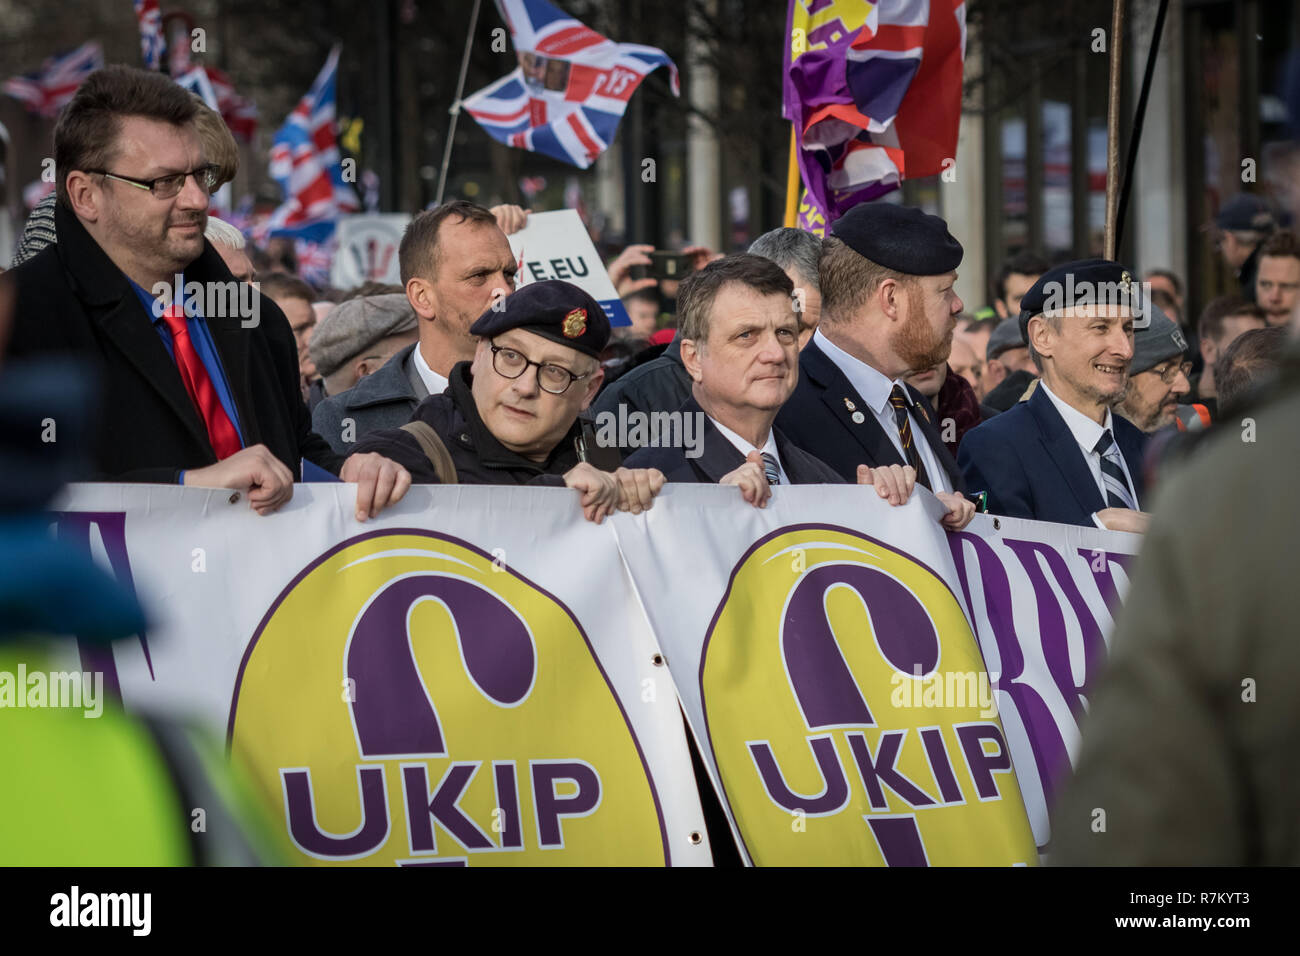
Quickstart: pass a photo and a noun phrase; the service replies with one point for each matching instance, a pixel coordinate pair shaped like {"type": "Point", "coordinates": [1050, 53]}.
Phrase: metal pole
{"type": "Point", "coordinates": [1112, 126]}
{"type": "Point", "coordinates": [455, 106]}
{"type": "Point", "coordinates": [792, 182]}
{"type": "Point", "coordinates": [1138, 119]}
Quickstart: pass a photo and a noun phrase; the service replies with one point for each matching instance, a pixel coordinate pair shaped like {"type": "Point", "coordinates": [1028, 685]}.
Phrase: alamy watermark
{"type": "Point", "coordinates": [637, 429]}
{"type": "Point", "coordinates": [944, 689]}
{"type": "Point", "coordinates": [1136, 296]}
{"type": "Point", "coordinates": [76, 689]}
{"type": "Point", "coordinates": [212, 300]}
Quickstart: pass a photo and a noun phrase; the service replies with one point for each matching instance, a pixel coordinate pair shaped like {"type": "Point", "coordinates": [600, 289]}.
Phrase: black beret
{"type": "Point", "coordinates": [1084, 282]}
{"type": "Point", "coordinates": [901, 238]}
{"type": "Point", "coordinates": [553, 309]}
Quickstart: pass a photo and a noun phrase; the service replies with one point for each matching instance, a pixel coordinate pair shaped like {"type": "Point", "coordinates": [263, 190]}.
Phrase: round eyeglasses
{"type": "Point", "coordinates": [555, 379]}
{"type": "Point", "coordinates": [1170, 372]}
{"type": "Point", "coordinates": [165, 187]}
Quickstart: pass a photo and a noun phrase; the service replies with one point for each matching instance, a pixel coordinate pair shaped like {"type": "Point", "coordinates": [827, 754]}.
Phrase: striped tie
{"type": "Point", "coordinates": [1118, 494]}
{"type": "Point", "coordinates": [900, 403]}
{"type": "Point", "coordinates": [770, 468]}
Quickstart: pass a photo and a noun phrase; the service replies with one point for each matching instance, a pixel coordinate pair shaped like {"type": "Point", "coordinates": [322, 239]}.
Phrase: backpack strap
{"type": "Point", "coordinates": [435, 450]}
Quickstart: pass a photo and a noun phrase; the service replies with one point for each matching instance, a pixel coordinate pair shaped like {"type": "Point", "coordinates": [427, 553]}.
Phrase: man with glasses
{"type": "Point", "coordinates": [1157, 376]}
{"type": "Point", "coordinates": [510, 417]}
{"type": "Point", "coordinates": [196, 389]}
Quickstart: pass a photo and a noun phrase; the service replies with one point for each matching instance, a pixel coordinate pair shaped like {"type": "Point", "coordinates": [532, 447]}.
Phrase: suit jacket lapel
{"type": "Point", "coordinates": [1065, 453]}
{"type": "Point", "coordinates": [835, 388]}
{"type": "Point", "coordinates": [120, 315]}
{"type": "Point", "coordinates": [719, 456]}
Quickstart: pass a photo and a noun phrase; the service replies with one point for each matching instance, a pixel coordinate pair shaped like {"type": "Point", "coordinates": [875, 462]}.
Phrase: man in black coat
{"type": "Point", "coordinates": [888, 310]}
{"type": "Point", "coordinates": [197, 372]}
{"type": "Point", "coordinates": [511, 417]}
{"type": "Point", "coordinates": [740, 345]}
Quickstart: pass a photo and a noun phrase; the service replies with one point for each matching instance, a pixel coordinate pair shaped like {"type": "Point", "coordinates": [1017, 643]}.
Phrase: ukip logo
{"type": "Point", "coordinates": [818, 762]}
{"type": "Point", "coordinates": [410, 700]}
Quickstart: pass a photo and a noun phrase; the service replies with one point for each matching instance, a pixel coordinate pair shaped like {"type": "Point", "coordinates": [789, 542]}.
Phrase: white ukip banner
{"type": "Point", "coordinates": [482, 677]}
{"type": "Point", "coordinates": [555, 245]}
{"type": "Point", "coordinates": [367, 249]}
{"type": "Point", "coordinates": [466, 679]}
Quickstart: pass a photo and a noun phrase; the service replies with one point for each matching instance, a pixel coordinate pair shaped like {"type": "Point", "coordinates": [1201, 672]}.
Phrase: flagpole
{"type": "Point", "coordinates": [1112, 127]}
{"type": "Point", "coordinates": [455, 105]}
{"type": "Point", "coordinates": [1131, 163]}
{"type": "Point", "coordinates": [792, 181]}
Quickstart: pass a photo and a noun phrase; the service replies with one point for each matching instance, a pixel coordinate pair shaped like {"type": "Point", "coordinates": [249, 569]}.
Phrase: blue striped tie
{"type": "Point", "coordinates": [1118, 493]}
{"type": "Point", "coordinates": [770, 468]}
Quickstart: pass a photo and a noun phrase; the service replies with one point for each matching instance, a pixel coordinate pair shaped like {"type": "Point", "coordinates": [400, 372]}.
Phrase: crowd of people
{"type": "Point", "coordinates": [849, 359]}
{"type": "Point", "coordinates": [854, 351]}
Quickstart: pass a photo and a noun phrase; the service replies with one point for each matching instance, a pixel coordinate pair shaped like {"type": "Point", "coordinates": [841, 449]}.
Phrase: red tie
{"type": "Point", "coordinates": [221, 431]}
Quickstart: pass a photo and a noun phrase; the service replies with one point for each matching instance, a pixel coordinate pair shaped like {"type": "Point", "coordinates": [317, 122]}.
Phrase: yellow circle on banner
{"type": "Point", "coordinates": [850, 712]}
{"type": "Point", "coordinates": [410, 700]}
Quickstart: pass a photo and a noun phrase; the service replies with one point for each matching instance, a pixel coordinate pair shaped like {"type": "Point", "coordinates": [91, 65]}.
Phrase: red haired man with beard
{"type": "Point", "coordinates": [888, 311]}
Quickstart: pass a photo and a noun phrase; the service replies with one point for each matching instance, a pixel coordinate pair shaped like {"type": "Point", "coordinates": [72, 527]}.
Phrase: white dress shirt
{"type": "Point", "coordinates": [1087, 433]}
{"type": "Point", "coordinates": [434, 382]}
{"type": "Point", "coordinates": [874, 388]}
{"type": "Point", "coordinates": [745, 447]}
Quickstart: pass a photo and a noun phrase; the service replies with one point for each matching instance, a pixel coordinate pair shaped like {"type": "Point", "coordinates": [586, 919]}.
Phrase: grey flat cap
{"type": "Point", "coordinates": [1004, 337]}
{"type": "Point", "coordinates": [353, 326]}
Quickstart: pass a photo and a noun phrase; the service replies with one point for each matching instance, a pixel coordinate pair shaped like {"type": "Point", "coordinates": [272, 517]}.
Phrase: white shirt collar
{"type": "Point", "coordinates": [434, 382]}
{"type": "Point", "coordinates": [870, 383]}
{"type": "Point", "coordinates": [1086, 432]}
{"type": "Point", "coordinates": [745, 447]}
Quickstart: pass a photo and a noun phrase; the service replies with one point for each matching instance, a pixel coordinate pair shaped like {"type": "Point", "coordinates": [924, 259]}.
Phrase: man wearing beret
{"type": "Point", "coordinates": [888, 310]}
{"type": "Point", "coordinates": [510, 416]}
{"type": "Point", "coordinates": [1157, 377]}
{"type": "Point", "coordinates": [359, 336]}
{"type": "Point", "coordinates": [455, 260]}
{"type": "Point", "coordinates": [1061, 456]}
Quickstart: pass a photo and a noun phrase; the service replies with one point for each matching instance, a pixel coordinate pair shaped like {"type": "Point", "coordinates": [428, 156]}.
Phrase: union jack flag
{"type": "Point", "coordinates": [874, 92]}
{"type": "Point", "coordinates": [152, 42]}
{"type": "Point", "coordinates": [305, 162]}
{"type": "Point", "coordinates": [48, 89]}
{"type": "Point", "coordinates": [568, 94]}
{"type": "Point", "coordinates": [315, 260]}
{"type": "Point", "coordinates": [215, 89]}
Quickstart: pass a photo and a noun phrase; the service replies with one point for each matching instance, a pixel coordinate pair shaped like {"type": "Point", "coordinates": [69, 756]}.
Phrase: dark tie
{"type": "Point", "coordinates": [770, 468]}
{"type": "Point", "coordinates": [1118, 493]}
{"type": "Point", "coordinates": [900, 403]}
{"type": "Point", "coordinates": [221, 431]}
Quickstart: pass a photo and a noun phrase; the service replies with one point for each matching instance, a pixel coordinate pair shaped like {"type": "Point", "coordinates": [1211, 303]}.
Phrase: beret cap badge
{"type": "Point", "coordinates": [575, 323]}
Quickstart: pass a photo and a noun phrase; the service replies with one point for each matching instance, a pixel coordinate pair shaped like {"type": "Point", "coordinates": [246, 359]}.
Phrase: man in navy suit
{"type": "Point", "coordinates": [888, 310]}
{"type": "Point", "coordinates": [1062, 456]}
{"type": "Point", "coordinates": [740, 345]}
